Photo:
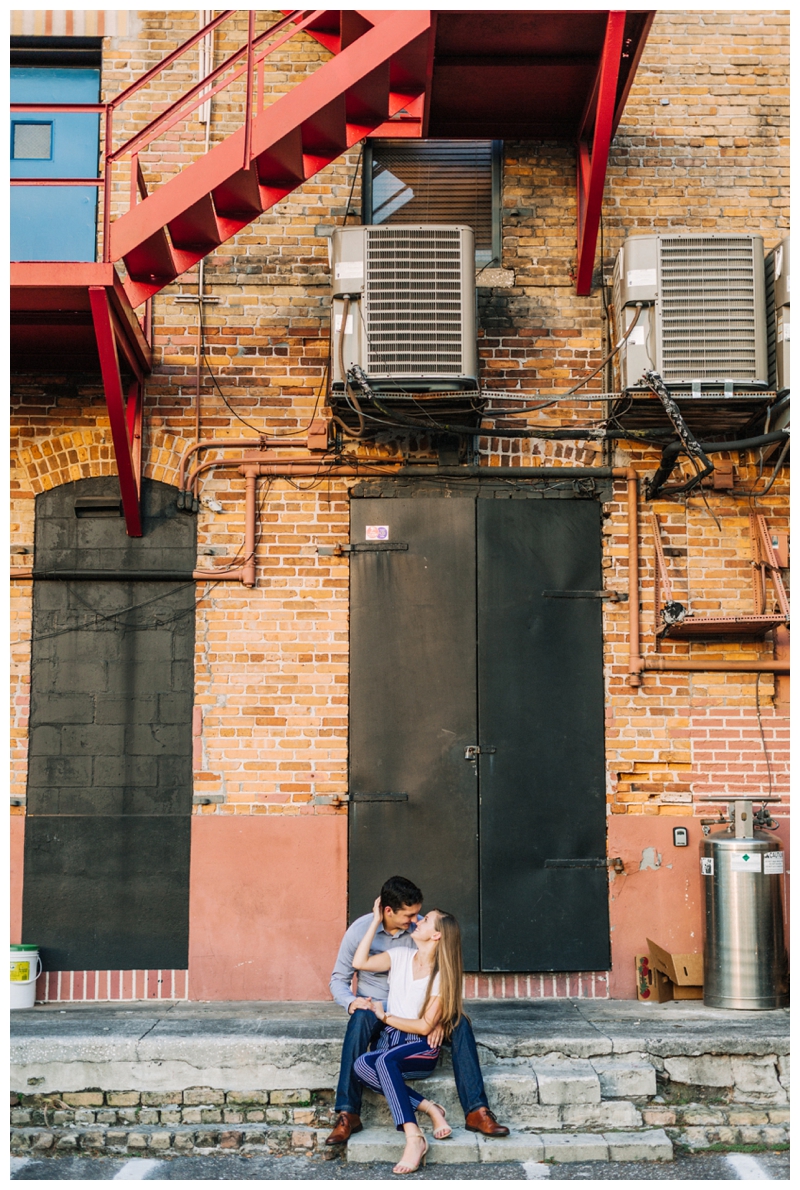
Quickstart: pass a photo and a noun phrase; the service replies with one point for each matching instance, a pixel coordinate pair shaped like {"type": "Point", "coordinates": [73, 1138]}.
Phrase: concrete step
{"type": "Point", "coordinates": [386, 1144]}
{"type": "Point", "coordinates": [544, 1093]}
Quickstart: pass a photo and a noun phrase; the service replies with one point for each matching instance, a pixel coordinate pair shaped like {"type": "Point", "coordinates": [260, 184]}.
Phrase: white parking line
{"type": "Point", "coordinates": [137, 1169]}
{"type": "Point", "coordinates": [747, 1168]}
{"type": "Point", "coordinates": [535, 1170]}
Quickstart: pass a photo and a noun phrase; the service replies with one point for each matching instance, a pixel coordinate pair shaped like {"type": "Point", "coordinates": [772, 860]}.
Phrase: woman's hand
{"type": "Point", "coordinates": [377, 911]}
{"type": "Point", "coordinates": [378, 1009]}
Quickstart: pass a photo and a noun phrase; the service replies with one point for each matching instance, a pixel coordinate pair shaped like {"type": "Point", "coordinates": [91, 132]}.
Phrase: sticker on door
{"type": "Point", "coordinates": [377, 532]}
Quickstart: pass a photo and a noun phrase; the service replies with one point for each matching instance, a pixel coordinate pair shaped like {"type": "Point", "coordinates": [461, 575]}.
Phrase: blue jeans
{"type": "Point", "coordinates": [363, 1028]}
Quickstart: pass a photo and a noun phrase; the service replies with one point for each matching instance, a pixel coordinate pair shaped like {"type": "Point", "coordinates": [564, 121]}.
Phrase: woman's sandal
{"type": "Point", "coordinates": [404, 1169]}
{"type": "Point", "coordinates": [444, 1130]}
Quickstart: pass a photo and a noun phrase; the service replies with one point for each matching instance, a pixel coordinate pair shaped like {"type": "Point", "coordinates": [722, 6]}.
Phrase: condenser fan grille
{"type": "Point", "coordinates": [413, 302]}
{"type": "Point", "coordinates": [708, 297]}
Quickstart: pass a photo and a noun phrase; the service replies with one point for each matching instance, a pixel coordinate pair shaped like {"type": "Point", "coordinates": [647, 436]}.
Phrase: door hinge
{"type": "Point", "coordinates": [378, 797]}
{"type": "Point", "coordinates": [475, 750]}
{"type": "Point", "coordinates": [595, 861]}
{"type": "Point", "coordinates": [613, 596]}
{"type": "Point", "coordinates": [365, 547]}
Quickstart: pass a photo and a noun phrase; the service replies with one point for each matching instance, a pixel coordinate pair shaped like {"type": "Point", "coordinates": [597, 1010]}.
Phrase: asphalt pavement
{"type": "Point", "coordinates": [706, 1167]}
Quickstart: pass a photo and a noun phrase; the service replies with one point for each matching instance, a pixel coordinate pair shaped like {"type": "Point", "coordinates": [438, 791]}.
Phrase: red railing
{"type": "Point", "coordinates": [180, 109]}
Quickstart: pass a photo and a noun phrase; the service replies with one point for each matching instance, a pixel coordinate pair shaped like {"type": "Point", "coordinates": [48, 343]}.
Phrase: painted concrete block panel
{"type": "Point", "coordinates": [267, 906]}
{"type": "Point", "coordinates": [660, 895]}
{"type": "Point", "coordinates": [16, 857]}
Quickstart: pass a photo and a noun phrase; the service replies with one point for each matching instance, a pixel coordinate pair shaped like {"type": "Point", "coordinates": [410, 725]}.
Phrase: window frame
{"type": "Point", "coordinates": [15, 124]}
{"type": "Point", "coordinates": [497, 191]}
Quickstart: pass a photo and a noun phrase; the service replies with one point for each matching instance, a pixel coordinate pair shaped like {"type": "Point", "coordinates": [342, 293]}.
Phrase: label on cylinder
{"type": "Point", "coordinates": [707, 866]}
{"type": "Point", "coordinates": [773, 863]}
{"type": "Point", "coordinates": [747, 862]}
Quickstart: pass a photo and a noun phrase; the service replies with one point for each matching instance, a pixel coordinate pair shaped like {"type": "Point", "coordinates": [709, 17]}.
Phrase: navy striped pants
{"type": "Point", "coordinates": [397, 1054]}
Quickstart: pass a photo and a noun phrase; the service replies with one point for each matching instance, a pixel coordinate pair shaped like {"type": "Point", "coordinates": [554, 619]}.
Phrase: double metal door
{"type": "Point", "coordinates": [476, 721]}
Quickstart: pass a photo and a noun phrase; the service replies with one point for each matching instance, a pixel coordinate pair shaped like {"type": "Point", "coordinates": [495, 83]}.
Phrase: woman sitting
{"type": "Point", "coordinates": [425, 990]}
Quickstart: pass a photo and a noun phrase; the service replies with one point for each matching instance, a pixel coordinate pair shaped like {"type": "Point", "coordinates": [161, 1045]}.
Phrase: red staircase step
{"type": "Point", "coordinates": [237, 197]}
{"type": "Point", "coordinates": [152, 260]}
{"type": "Point", "coordinates": [367, 102]}
{"type": "Point", "coordinates": [197, 228]}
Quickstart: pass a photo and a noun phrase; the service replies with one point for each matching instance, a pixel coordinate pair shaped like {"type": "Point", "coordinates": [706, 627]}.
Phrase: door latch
{"type": "Point", "coordinates": [475, 750]}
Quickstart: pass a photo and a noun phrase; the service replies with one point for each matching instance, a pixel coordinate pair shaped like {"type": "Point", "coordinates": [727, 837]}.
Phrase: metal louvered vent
{"type": "Point", "coordinates": [709, 306]}
{"type": "Point", "coordinates": [414, 301]}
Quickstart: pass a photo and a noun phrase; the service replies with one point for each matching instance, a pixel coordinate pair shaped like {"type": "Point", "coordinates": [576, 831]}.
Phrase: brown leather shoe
{"type": "Point", "coordinates": [347, 1123]}
{"type": "Point", "coordinates": [482, 1120]}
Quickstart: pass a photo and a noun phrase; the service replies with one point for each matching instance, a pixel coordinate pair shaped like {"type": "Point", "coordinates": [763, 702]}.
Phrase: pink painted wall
{"type": "Point", "coordinates": [667, 903]}
{"type": "Point", "coordinates": [267, 906]}
{"type": "Point", "coordinates": [16, 853]}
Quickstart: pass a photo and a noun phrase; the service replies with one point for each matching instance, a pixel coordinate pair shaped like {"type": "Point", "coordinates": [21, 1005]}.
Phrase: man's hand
{"type": "Point", "coordinates": [359, 1002]}
{"type": "Point", "coordinates": [436, 1037]}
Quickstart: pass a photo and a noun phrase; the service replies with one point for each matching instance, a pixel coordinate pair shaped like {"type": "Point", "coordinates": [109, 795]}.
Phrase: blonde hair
{"type": "Point", "coordinates": [449, 966]}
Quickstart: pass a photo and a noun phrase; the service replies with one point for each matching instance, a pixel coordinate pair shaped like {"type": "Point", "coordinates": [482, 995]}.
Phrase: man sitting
{"type": "Point", "coordinates": [401, 902]}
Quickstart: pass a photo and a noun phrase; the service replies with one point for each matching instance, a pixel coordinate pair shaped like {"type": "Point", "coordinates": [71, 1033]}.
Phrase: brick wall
{"type": "Point", "coordinates": [271, 663]}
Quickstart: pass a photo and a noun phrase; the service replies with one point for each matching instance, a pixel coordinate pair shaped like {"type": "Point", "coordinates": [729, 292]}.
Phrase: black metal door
{"type": "Point", "coordinates": [454, 644]}
{"type": "Point", "coordinates": [413, 706]}
{"type": "Point", "coordinates": [540, 689]}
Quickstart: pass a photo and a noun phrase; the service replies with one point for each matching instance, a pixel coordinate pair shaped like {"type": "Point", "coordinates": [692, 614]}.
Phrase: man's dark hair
{"type": "Point", "coordinates": [398, 892]}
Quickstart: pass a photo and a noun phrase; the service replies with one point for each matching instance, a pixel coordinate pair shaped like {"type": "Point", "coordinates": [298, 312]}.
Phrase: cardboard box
{"type": "Point", "coordinates": [675, 976]}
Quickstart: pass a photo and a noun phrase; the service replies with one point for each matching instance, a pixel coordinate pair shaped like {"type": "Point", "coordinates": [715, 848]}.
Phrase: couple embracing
{"type": "Point", "coordinates": [408, 1003]}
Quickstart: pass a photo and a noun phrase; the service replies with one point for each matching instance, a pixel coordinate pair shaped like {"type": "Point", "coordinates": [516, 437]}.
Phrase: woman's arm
{"type": "Point", "coordinates": [362, 959]}
{"type": "Point", "coordinates": [423, 1026]}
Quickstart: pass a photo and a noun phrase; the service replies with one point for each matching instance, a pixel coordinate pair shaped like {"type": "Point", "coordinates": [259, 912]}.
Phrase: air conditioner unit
{"type": "Point", "coordinates": [410, 323]}
{"type": "Point", "coordinates": [702, 320]}
{"type": "Point", "coordinates": [778, 293]}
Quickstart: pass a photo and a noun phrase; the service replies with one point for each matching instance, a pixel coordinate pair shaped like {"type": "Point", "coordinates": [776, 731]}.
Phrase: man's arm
{"type": "Point", "coordinates": [343, 969]}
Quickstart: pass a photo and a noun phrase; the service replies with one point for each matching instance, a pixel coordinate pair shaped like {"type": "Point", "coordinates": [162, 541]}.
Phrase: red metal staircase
{"type": "Point", "coordinates": [379, 70]}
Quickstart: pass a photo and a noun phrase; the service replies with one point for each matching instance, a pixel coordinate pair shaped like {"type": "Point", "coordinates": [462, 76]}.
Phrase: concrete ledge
{"type": "Point", "coordinates": [575, 1146]}
{"type": "Point", "coordinates": [639, 1146]}
{"type": "Point", "coordinates": [387, 1144]}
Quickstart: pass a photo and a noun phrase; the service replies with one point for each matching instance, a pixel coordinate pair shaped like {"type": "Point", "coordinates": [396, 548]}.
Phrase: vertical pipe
{"type": "Point", "coordinates": [634, 654]}
{"type": "Point", "coordinates": [198, 377]}
{"type": "Point", "coordinates": [781, 653]}
{"type": "Point", "coordinates": [249, 564]}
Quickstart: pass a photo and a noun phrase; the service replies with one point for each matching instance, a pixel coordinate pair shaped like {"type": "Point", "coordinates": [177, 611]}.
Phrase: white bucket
{"type": "Point", "coordinates": [26, 967]}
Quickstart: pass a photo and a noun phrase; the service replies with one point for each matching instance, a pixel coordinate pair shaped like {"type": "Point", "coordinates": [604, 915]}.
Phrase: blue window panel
{"type": "Point", "coordinates": [54, 222]}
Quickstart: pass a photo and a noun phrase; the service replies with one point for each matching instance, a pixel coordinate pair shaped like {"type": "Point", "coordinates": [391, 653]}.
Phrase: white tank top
{"type": "Point", "coordinates": [406, 994]}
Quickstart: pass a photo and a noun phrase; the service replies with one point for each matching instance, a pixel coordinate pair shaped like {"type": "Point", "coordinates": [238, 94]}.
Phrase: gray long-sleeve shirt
{"type": "Point", "coordinates": [370, 983]}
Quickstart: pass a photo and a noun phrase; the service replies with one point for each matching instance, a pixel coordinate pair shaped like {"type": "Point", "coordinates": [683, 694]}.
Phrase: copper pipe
{"type": "Point", "coordinates": [634, 645]}
{"type": "Point", "coordinates": [781, 648]}
{"type": "Point", "coordinates": [250, 513]}
{"type": "Point", "coordinates": [225, 443]}
{"type": "Point", "coordinates": [690, 665]}
{"type": "Point", "coordinates": [219, 574]}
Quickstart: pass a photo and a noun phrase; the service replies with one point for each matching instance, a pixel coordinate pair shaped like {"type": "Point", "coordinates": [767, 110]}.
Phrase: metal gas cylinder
{"type": "Point", "coordinates": [744, 959]}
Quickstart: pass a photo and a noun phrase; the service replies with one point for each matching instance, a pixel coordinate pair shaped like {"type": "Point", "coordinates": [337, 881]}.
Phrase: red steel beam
{"type": "Point", "coordinates": [112, 386]}
{"type": "Point", "coordinates": [592, 163]}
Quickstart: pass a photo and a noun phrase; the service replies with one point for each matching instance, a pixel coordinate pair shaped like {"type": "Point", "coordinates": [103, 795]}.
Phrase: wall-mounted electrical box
{"type": "Point", "coordinates": [702, 318]}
